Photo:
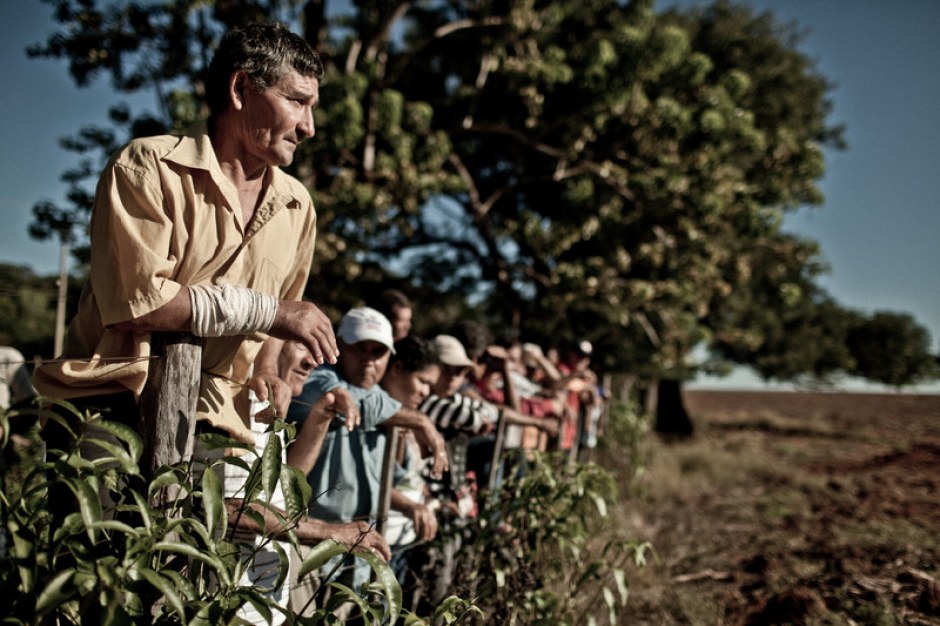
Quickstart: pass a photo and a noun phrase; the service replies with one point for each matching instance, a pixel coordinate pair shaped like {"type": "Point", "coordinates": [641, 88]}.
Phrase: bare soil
{"type": "Point", "coordinates": [791, 508]}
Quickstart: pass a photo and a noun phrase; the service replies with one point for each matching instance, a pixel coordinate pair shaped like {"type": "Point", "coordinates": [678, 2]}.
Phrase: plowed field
{"type": "Point", "coordinates": [800, 508]}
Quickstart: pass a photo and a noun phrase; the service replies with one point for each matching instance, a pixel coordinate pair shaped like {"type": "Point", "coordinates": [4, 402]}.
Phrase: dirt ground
{"type": "Point", "coordinates": [791, 508]}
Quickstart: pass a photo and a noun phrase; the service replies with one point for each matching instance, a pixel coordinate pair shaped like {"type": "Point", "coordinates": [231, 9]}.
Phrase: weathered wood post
{"type": "Point", "coordinates": [388, 479]}
{"type": "Point", "coordinates": [168, 403]}
{"type": "Point", "coordinates": [498, 445]}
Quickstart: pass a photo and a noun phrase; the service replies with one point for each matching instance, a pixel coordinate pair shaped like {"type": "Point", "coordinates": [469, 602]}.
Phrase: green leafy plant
{"type": "Point", "coordinates": [543, 549]}
{"type": "Point", "coordinates": [136, 563]}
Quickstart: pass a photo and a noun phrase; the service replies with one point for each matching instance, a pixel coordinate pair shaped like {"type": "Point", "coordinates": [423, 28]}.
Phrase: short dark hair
{"type": "Point", "coordinates": [475, 337]}
{"type": "Point", "coordinates": [265, 51]}
{"type": "Point", "coordinates": [414, 354]}
{"type": "Point", "coordinates": [386, 301]}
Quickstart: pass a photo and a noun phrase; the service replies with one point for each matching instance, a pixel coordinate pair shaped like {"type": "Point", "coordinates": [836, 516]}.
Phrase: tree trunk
{"type": "Point", "coordinates": [672, 420]}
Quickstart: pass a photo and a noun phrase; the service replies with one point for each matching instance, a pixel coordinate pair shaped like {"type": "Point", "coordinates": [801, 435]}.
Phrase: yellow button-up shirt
{"type": "Point", "coordinates": [166, 216]}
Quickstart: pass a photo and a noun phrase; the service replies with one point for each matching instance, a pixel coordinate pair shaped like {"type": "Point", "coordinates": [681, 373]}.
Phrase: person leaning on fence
{"type": "Point", "coordinates": [458, 408]}
{"type": "Point", "coordinates": [345, 470]}
{"type": "Point", "coordinates": [529, 416]}
{"type": "Point", "coordinates": [580, 383]}
{"type": "Point", "coordinates": [294, 365]}
{"type": "Point", "coordinates": [412, 520]}
{"type": "Point", "coordinates": [204, 233]}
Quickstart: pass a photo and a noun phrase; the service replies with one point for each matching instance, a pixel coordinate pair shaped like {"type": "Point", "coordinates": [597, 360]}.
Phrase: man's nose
{"type": "Point", "coordinates": [306, 126]}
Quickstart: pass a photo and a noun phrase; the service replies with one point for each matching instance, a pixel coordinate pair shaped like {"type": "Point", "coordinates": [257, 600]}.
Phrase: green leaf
{"type": "Point", "coordinates": [622, 587]}
{"type": "Point", "coordinates": [284, 564]}
{"type": "Point", "coordinates": [258, 601]}
{"type": "Point", "coordinates": [126, 434]}
{"type": "Point", "coordinates": [166, 587]}
{"type": "Point", "coordinates": [611, 604]}
{"type": "Point", "coordinates": [385, 577]}
{"type": "Point", "coordinates": [591, 573]}
{"type": "Point", "coordinates": [24, 548]}
{"type": "Point", "coordinates": [211, 614]}
{"type": "Point", "coordinates": [215, 441]}
{"type": "Point", "coordinates": [319, 555]}
{"type": "Point", "coordinates": [342, 593]}
{"type": "Point", "coordinates": [117, 526]}
{"type": "Point", "coordinates": [89, 502]}
{"type": "Point", "coordinates": [271, 465]}
{"type": "Point", "coordinates": [256, 516]}
{"type": "Point", "coordinates": [56, 593]}
{"type": "Point", "coordinates": [212, 560]}
{"type": "Point", "coordinates": [167, 476]}
{"type": "Point", "coordinates": [187, 589]}
{"type": "Point", "coordinates": [213, 503]}
{"type": "Point", "coordinates": [145, 510]}
{"type": "Point", "coordinates": [297, 491]}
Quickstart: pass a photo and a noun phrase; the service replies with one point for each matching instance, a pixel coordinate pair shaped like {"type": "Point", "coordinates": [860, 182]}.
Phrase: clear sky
{"type": "Point", "coordinates": [879, 227]}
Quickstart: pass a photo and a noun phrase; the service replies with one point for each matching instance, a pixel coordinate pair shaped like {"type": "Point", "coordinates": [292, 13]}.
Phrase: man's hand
{"type": "Point", "coordinates": [549, 425]}
{"type": "Point", "coordinates": [360, 536]}
{"type": "Point", "coordinates": [304, 322]}
{"type": "Point", "coordinates": [336, 403]}
{"type": "Point", "coordinates": [431, 441]}
{"type": "Point", "coordinates": [425, 521]}
{"type": "Point", "coordinates": [278, 404]}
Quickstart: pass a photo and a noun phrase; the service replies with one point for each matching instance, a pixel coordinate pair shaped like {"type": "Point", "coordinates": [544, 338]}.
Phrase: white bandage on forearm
{"type": "Point", "coordinates": [225, 310]}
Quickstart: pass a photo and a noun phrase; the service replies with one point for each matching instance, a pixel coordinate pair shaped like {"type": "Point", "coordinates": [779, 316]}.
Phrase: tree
{"type": "Point", "coordinates": [582, 169]}
{"type": "Point", "coordinates": [624, 171]}
{"type": "Point", "coordinates": [27, 310]}
{"type": "Point", "coordinates": [784, 326]}
{"type": "Point", "coordinates": [891, 348]}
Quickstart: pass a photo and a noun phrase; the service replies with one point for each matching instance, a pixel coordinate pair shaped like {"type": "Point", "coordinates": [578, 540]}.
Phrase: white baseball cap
{"type": "Point", "coordinates": [366, 324]}
{"type": "Point", "coordinates": [451, 352]}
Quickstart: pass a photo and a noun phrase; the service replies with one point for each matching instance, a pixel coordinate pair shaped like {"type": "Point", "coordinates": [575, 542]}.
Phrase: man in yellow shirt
{"type": "Point", "coordinates": [204, 233]}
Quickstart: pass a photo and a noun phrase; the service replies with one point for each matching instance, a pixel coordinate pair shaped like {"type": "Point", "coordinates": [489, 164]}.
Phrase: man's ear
{"type": "Point", "coordinates": [237, 84]}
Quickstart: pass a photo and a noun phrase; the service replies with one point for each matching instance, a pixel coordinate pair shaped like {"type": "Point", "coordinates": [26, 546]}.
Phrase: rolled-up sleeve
{"type": "Point", "coordinates": [132, 235]}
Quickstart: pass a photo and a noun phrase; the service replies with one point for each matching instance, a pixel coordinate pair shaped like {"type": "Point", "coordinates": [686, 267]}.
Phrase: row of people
{"type": "Point", "coordinates": [444, 400]}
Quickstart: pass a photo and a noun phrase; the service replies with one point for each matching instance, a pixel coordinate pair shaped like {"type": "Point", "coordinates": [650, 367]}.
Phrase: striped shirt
{"type": "Point", "coordinates": [460, 412]}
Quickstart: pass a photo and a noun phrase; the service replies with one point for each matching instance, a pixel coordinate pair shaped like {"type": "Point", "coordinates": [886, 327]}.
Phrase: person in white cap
{"type": "Point", "coordinates": [345, 471]}
{"type": "Point", "coordinates": [269, 521]}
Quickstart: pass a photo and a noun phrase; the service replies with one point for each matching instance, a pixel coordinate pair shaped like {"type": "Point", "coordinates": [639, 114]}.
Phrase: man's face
{"type": "Point", "coordinates": [294, 365]}
{"type": "Point", "coordinates": [450, 380]}
{"type": "Point", "coordinates": [410, 388]}
{"type": "Point", "coordinates": [277, 119]}
{"type": "Point", "coordinates": [401, 322]}
{"type": "Point", "coordinates": [363, 364]}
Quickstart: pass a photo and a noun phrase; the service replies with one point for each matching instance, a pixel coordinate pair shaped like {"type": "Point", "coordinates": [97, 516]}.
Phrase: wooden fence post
{"type": "Point", "coordinates": [498, 445]}
{"type": "Point", "coordinates": [388, 479]}
{"type": "Point", "coordinates": [168, 402]}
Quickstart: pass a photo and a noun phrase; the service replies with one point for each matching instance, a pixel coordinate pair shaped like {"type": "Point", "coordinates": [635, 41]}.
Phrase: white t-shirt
{"type": "Point", "coordinates": [265, 561]}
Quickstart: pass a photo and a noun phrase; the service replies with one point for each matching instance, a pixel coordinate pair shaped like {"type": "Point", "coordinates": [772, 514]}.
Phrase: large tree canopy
{"type": "Point", "coordinates": [577, 168]}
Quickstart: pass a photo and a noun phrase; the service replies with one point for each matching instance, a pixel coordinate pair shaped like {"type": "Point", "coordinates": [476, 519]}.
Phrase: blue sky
{"type": "Point", "coordinates": [879, 227]}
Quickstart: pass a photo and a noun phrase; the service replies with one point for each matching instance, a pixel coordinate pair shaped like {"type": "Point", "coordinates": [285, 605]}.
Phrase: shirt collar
{"type": "Point", "coordinates": [195, 151]}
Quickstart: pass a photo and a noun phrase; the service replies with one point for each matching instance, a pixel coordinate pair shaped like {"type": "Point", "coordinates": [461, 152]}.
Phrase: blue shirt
{"type": "Point", "coordinates": [347, 476]}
